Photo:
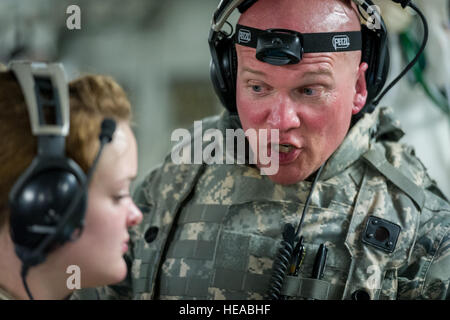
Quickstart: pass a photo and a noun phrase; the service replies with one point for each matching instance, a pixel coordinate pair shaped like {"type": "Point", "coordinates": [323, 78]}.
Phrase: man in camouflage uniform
{"type": "Point", "coordinates": [213, 231]}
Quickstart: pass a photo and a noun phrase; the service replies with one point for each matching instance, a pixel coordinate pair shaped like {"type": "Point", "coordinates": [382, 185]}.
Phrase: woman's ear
{"type": "Point", "coordinates": [360, 98]}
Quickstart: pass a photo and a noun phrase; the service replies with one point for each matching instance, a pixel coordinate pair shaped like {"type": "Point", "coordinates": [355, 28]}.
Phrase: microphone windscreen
{"type": "Point", "coordinates": [107, 130]}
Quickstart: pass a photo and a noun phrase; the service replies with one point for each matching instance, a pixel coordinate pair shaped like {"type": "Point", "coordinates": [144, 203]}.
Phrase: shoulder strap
{"type": "Point", "coordinates": [376, 158]}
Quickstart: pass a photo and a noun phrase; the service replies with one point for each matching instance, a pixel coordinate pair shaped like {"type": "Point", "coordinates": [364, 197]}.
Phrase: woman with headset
{"type": "Point", "coordinates": [96, 257]}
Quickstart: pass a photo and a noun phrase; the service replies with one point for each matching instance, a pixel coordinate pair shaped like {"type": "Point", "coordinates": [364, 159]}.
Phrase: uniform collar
{"type": "Point", "coordinates": [379, 125]}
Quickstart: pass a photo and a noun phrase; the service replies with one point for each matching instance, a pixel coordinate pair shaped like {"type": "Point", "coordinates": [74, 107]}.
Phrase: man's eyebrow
{"type": "Point", "coordinates": [320, 72]}
{"type": "Point", "coordinates": [250, 70]}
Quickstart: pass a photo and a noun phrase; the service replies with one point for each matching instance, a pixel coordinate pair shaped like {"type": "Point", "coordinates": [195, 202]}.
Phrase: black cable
{"type": "Point", "coordinates": [284, 256]}
{"type": "Point", "coordinates": [231, 27]}
{"type": "Point", "coordinates": [281, 263]}
{"type": "Point", "coordinates": [414, 61]}
{"type": "Point", "coordinates": [23, 274]}
{"type": "Point", "coordinates": [308, 199]}
{"type": "Point", "coordinates": [361, 14]}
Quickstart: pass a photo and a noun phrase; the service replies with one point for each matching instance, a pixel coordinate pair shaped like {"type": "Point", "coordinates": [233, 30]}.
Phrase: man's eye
{"type": "Point", "coordinates": [309, 91]}
{"type": "Point", "coordinates": [257, 88]}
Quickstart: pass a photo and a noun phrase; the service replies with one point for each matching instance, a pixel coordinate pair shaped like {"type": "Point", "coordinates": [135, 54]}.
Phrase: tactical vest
{"type": "Point", "coordinates": [222, 236]}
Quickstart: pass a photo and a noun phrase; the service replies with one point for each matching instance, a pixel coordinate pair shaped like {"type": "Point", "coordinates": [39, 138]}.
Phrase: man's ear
{"type": "Point", "coordinates": [359, 100]}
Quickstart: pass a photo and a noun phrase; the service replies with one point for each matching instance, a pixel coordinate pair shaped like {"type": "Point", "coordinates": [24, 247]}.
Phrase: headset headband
{"type": "Point", "coordinates": [222, 13]}
{"type": "Point", "coordinates": [226, 8]}
{"type": "Point", "coordinates": [35, 79]}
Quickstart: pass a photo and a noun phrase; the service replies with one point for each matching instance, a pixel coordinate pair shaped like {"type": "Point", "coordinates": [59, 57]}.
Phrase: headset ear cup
{"type": "Point", "coordinates": [39, 201]}
{"type": "Point", "coordinates": [216, 82]}
{"type": "Point", "coordinates": [372, 55]}
{"type": "Point", "coordinates": [226, 63]}
{"type": "Point", "coordinates": [386, 68]}
{"type": "Point", "coordinates": [72, 230]}
{"type": "Point", "coordinates": [233, 72]}
{"type": "Point", "coordinates": [40, 204]}
{"type": "Point", "coordinates": [370, 59]}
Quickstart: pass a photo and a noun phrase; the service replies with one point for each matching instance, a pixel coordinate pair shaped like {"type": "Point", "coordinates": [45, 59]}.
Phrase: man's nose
{"type": "Point", "coordinates": [134, 216]}
{"type": "Point", "coordinates": [283, 114]}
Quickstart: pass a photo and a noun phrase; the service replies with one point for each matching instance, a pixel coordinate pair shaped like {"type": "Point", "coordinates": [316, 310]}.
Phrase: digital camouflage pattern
{"type": "Point", "coordinates": [219, 226]}
{"type": "Point", "coordinates": [5, 295]}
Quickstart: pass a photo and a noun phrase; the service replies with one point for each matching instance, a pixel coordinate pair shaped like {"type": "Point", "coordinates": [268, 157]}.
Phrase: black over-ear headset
{"type": "Point", "coordinates": [47, 203]}
{"type": "Point", "coordinates": [374, 46]}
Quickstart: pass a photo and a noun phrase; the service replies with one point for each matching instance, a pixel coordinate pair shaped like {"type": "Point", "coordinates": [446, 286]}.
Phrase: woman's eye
{"type": "Point", "coordinates": [118, 198]}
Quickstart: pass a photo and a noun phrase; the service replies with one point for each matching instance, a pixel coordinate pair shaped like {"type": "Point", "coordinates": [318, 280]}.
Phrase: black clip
{"type": "Point", "coordinates": [297, 257]}
{"type": "Point", "coordinates": [381, 234]}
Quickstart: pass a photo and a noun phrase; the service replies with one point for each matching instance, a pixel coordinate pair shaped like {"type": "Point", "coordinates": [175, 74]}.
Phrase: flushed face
{"type": "Point", "coordinates": [310, 103]}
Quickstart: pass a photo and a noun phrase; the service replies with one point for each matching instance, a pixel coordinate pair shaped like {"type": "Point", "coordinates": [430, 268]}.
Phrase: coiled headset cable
{"type": "Point", "coordinates": [284, 256]}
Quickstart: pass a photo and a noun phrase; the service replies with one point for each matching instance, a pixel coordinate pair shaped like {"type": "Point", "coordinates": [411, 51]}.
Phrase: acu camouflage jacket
{"type": "Point", "coordinates": [213, 231]}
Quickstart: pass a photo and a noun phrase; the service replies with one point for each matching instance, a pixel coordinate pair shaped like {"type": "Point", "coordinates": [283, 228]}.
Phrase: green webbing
{"type": "Point", "coordinates": [376, 158]}
{"type": "Point", "coordinates": [185, 286]}
{"type": "Point", "coordinates": [192, 249]}
{"type": "Point", "coordinates": [311, 288]}
{"type": "Point", "coordinates": [240, 281]}
{"type": "Point", "coordinates": [203, 213]}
